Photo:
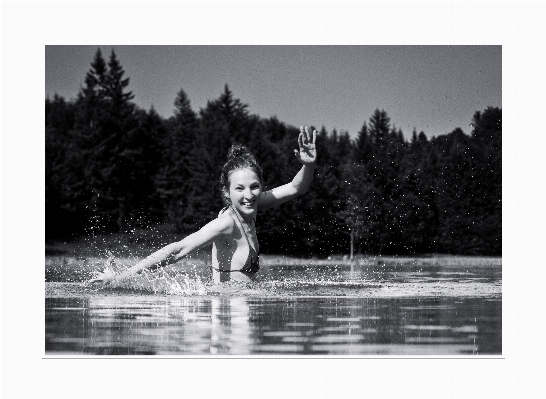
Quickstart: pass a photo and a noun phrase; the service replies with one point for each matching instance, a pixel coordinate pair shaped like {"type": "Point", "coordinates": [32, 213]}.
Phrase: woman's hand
{"type": "Point", "coordinates": [104, 278]}
{"type": "Point", "coordinates": [307, 154]}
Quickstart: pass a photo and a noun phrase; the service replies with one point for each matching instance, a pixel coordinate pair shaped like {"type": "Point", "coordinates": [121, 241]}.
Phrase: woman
{"type": "Point", "coordinates": [235, 251]}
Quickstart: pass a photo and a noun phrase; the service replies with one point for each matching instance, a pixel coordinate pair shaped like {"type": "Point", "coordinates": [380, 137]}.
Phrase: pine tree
{"type": "Point", "coordinates": [64, 205]}
{"type": "Point", "coordinates": [353, 198]}
{"type": "Point", "coordinates": [377, 167]}
{"type": "Point", "coordinates": [325, 192]}
{"type": "Point", "coordinates": [223, 122]}
{"type": "Point", "coordinates": [486, 181]}
{"type": "Point", "coordinates": [108, 138]}
{"type": "Point", "coordinates": [174, 179]}
{"type": "Point", "coordinates": [455, 225]}
{"type": "Point", "coordinates": [151, 136]}
{"type": "Point", "coordinates": [363, 150]}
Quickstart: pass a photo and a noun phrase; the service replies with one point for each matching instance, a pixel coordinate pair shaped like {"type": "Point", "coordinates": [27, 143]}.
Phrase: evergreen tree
{"type": "Point", "coordinates": [455, 229]}
{"type": "Point", "coordinates": [275, 130]}
{"type": "Point", "coordinates": [416, 207]}
{"type": "Point", "coordinates": [109, 142]}
{"type": "Point", "coordinates": [377, 167]}
{"type": "Point", "coordinates": [322, 202]}
{"type": "Point", "coordinates": [174, 179]}
{"type": "Point", "coordinates": [64, 206]}
{"type": "Point", "coordinates": [152, 158]}
{"type": "Point", "coordinates": [223, 122]}
{"type": "Point", "coordinates": [354, 200]}
{"type": "Point", "coordinates": [486, 181]}
{"type": "Point", "coordinates": [363, 149]}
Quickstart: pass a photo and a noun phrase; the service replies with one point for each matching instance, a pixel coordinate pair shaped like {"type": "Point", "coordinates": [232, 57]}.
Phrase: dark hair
{"type": "Point", "coordinates": [239, 157]}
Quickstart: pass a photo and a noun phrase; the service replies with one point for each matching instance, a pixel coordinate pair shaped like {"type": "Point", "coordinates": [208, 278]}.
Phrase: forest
{"type": "Point", "coordinates": [112, 167]}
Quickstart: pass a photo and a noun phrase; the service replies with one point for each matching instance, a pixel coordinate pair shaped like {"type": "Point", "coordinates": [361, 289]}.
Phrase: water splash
{"type": "Point", "coordinates": [176, 281]}
{"type": "Point", "coordinates": [192, 278]}
{"type": "Point", "coordinates": [167, 282]}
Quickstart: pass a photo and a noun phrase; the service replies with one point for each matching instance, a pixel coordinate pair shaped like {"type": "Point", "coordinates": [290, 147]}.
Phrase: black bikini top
{"type": "Point", "coordinates": [252, 264]}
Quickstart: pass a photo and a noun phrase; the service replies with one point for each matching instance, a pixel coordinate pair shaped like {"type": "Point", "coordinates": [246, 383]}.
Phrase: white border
{"type": "Point", "coordinates": [27, 26]}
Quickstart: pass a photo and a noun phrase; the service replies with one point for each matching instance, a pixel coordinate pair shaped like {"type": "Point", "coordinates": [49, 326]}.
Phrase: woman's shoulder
{"type": "Point", "coordinates": [225, 220]}
{"type": "Point", "coordinates": [221, 226]}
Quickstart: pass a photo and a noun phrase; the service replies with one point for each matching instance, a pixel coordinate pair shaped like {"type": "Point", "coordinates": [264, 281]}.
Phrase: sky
{"type": "Point", "coordinates": [434, 89]}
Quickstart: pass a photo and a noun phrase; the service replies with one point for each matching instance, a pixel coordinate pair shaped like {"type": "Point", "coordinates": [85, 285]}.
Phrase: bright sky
{"type": "Point", "coordinates": [431, 88]}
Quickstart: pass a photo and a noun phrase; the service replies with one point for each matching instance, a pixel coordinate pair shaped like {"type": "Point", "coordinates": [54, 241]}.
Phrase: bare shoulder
{"type": "Point", "coordinates": [224, 223]}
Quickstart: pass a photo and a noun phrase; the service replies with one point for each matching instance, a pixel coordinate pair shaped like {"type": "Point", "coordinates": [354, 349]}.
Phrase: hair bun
{"type": "Point", "coordinates": [237, 151]}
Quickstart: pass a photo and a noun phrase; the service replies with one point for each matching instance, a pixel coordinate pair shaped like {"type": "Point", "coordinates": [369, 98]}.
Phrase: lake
{"type": "Point", "coordinates": [340, 310]}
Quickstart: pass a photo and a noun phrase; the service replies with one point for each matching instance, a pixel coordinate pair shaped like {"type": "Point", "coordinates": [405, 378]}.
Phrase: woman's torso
{"type": "Point", "coordinates": [237, 254]}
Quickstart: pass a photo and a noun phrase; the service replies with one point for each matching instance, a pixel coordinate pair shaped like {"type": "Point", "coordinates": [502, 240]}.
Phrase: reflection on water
{"type": "Point", "coordinates": [355, 309]}
{"type": "Point", "coordinates": [273, 326]}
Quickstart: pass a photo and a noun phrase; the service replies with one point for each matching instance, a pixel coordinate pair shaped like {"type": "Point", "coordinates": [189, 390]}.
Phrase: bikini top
{"type": "Point", "coordinates": [252, 264]}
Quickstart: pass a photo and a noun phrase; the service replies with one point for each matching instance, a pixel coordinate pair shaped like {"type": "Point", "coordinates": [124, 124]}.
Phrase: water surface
{"type": "Point", "coordinates": [297, 325]}
{"type": "Point", "coordinates": [325, 310]}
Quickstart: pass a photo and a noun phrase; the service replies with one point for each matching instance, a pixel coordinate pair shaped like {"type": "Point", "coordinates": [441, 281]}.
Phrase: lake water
{"type": "Point", "coordinates": [340, 311]}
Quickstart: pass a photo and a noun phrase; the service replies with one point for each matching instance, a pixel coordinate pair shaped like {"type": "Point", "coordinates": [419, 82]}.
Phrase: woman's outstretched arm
{"type": "Point", "coordinates": [307, 155]}
{"type": "Point", "coordinates": [171, 253]}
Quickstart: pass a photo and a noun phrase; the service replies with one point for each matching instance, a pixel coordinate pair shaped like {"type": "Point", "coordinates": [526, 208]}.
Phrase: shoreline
{"type": "Point", "coordinates": [280, 260]}
{"type": "Point", "coordinates": [373, 290]}
{"type": "Point", "coordinates": [360, 260]}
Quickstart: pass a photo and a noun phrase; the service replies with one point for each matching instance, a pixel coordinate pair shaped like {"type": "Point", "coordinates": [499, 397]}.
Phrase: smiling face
{"type": "Point", "coordinates": [244, 191]}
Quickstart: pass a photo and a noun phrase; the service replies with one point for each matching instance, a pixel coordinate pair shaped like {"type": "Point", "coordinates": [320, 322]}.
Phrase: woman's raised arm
{"type": "Point", "coordinates": [307, 155]}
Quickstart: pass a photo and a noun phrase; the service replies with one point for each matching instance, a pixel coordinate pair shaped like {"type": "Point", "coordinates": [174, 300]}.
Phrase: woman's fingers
{"type": "Point", "coordinates": [296, 152]}
{"type": "Point", "coordinates": [305, 137]}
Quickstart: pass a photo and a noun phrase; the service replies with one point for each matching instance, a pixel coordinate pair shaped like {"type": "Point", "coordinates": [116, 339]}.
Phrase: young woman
{"type": "Point", "coordinates": [235, 251]}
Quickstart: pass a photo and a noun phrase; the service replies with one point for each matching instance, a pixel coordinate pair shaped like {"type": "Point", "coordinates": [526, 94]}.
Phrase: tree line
{"type": "Point", "coordinates": [112, 166]}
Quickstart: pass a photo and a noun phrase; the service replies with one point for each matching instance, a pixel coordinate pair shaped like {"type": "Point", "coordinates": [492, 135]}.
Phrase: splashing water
{"type": "Point", "coordinates": [168, 281]}
{"type": "Point", "coordinates": [308, 278]}
{"type": "Point", "coordinates": [274, 281]}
